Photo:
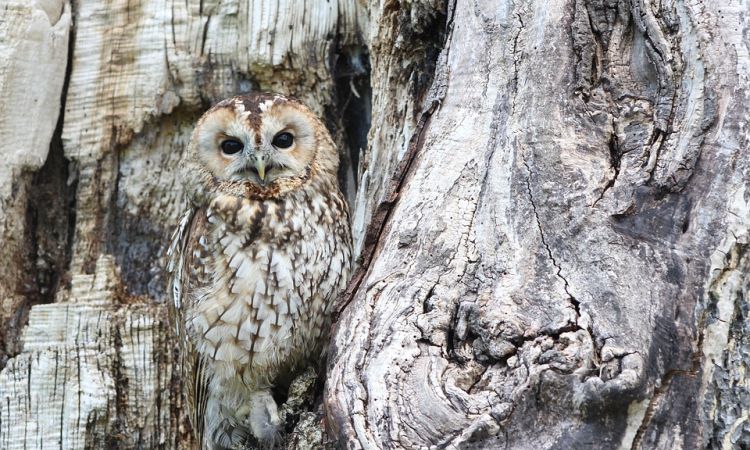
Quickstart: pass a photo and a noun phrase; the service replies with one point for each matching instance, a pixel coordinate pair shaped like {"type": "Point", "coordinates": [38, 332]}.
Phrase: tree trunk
{"type": "Point", "coordinates": [85, 233]}
{"type": "Point", "coordinates": [550, 209]}
{"type": "Point", "coordinates": [563, 264]}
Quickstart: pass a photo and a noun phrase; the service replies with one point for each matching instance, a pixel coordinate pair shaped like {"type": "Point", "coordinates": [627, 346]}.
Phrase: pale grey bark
{"type": "Point", "coordinates": [84, 236]}
{"type": "Point", "coordinates": [550, 208]}
{"type": "Point", "coordinates": [565, 265]}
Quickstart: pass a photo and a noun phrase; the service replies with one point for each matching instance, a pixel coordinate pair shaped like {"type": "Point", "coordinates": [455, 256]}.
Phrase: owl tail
{"type": "Point", "coordinates": [229, 435]}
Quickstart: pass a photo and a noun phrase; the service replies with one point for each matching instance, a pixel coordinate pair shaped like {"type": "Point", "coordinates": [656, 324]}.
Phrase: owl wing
{"type": "Point", "coordinates": [185, 277]}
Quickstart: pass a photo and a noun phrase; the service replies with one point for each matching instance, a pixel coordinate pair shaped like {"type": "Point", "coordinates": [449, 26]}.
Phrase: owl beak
{"type": "Point", "coordinates": [260, 166]}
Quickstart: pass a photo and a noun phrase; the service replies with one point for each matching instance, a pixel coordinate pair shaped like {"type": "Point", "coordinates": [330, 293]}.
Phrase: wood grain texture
{"type": "Point", "coordinates": [33, 57]}
{"type": "Point", "coordinates": [93, 374]}
{"type": "Point", "coordinates": [563, 268]}
{"type": "Point", "coordinates": [558, 189]}
{"type": "Point", "coordinates": [404, 43]}
{"type": "Point", "coordinates": [96, 218]}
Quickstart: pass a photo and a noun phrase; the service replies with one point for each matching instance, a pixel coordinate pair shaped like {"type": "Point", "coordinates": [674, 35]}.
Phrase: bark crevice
{"type": "Point", "coordinates": [575, 304]}
{"type": "Point", "coordinates": [49, 215]}
{"type": "Point", "coordinates": [552, 220]}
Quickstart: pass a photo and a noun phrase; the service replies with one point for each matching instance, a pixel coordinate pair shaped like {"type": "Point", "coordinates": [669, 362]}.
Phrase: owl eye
{"type": "Point", "coordinates": [283, 140]}
{"type": "Point", "coordinates": [231, 146]}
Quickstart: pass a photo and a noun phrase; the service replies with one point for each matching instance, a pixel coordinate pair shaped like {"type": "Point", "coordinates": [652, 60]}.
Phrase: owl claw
{"type": "Point", "coordinates": [264, 418]}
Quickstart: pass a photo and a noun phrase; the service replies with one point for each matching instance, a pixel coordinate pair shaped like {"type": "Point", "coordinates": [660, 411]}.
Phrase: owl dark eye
{"type": "Point", "coordinates": [231, 146]}
{"type": "Point", "coordinates": [283, 140]}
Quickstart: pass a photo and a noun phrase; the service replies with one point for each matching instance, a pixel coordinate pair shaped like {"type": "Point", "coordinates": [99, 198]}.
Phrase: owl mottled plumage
{"type": "Point", "coordinates": [256, 262]}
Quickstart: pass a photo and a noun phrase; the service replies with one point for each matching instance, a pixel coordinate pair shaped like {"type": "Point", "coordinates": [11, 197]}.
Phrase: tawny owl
{"type": "Point", "coordinates": [256, 262]}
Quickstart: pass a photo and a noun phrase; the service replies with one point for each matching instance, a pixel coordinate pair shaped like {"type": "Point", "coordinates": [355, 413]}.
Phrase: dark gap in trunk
{"type": "Point", "coordinates": [50, 224]}
{"type": "Point", "coordinates": [353, 106]}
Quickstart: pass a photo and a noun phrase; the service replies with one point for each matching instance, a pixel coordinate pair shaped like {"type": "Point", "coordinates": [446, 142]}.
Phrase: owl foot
{"type": "Point", "coordinates": [263, 419]}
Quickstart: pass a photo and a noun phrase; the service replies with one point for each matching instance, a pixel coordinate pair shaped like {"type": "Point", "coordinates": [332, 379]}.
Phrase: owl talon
{"type": "Point", "coordinates": [264, 419]}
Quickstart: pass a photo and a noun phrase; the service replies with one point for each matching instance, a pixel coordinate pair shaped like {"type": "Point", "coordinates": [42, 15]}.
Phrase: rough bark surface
{"type": "Point", "coordinates": [85, 233]}
{"type": "Point", "coordinates": [34, 55]}
{"type": "Point", "coordinates": [551, 212]}
{"type": "Point", "coordinates": [565, 266]}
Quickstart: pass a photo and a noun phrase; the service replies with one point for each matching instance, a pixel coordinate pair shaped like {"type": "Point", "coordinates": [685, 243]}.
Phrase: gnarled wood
{"type": "Point", "coordinates": [551, 211]}
{"type": "Point", "coordinates": [565, 267]}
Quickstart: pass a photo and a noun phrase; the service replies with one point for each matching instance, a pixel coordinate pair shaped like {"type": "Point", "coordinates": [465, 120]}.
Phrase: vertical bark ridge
{"type": "Point", "coordinates": [566, 286]}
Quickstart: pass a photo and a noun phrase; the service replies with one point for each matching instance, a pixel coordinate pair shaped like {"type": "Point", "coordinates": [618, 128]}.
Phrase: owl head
{"type": "Point", "coordinates": [259, 145]}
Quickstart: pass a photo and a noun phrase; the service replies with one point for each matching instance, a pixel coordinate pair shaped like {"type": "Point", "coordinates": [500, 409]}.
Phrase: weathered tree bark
{"type": "Point", "coordinates": [84, 236]}
{"type": "Point", "coordinates": [563, 264]}
{"type": "Point", "coordinates": [551, 212]}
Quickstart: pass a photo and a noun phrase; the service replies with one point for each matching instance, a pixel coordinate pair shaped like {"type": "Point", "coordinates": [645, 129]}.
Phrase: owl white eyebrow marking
{"type": "Point", "coordinates": [239, 107]}
{"type": "Point", "coordinates": [265, 105]}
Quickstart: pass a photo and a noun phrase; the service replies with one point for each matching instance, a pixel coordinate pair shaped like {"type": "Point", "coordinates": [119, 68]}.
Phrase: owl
{"type": "Point", "coordinates": [255, 262]}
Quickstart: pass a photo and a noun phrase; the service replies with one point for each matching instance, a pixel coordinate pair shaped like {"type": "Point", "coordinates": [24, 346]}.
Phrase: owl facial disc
{"type": "Point", "coordinates": [258, 140]}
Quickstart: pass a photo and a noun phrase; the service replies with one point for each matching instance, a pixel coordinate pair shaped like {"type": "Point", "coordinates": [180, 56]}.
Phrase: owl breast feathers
{"type": "Point", "coordinates": [256, 262]}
